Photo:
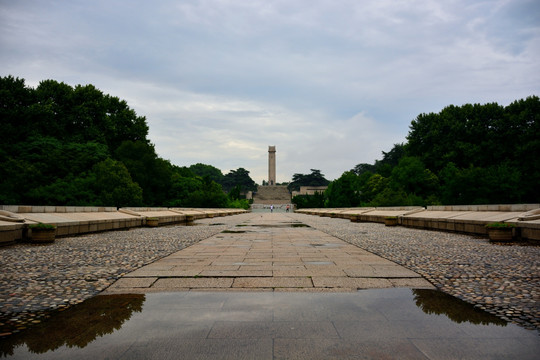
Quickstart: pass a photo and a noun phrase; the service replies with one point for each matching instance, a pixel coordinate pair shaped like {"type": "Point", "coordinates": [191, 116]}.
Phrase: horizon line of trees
{"type": "Point", "coordinates": [470, 154]}
{"type": "Point", "coordinates": [64, 145]}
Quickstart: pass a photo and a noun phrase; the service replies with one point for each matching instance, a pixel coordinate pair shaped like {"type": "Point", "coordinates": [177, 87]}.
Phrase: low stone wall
{"type": "Point", "coordinates": [75, 220]}
{"type": "Point", "coordinates": [55, 209]}
{"type": "Point", "coordinates": [468, 219]}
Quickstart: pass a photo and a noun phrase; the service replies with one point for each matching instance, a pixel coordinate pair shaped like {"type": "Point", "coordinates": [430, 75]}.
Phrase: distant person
{"type": "Point", "coordinates": [287, 209]}
{"type": "Point", "coordinates": [271, 208]}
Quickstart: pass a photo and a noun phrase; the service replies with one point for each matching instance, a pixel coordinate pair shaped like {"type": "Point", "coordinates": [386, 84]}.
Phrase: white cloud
{"type": "Point", "coordinates": [330, 83]}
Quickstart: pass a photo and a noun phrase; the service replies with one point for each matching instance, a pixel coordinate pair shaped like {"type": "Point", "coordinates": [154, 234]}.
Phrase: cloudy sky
{"type": "Point", "coordinates": [330, 83]}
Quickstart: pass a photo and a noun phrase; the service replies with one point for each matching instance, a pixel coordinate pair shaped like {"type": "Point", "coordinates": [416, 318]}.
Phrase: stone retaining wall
{"type": "Point", "coordinates": [468, 219]}
{"type": "Point", "coordinates": [75, 220]}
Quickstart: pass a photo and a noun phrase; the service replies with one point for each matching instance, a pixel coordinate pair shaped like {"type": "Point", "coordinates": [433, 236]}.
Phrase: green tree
{"type": "Point", "coordinates": [316, 178]}
{"type": "Point", "coordinates": [411, 176]}
{"type": "Point", "coordinates": [209, 195]}
{"type": "Point", "coordinates": [371, 186]}
{"type": "Point", "coordinates": [209, 171]}
{"type": "Point", "coordinates": [363, 168]}
{"type": "Point", "coordinates": [152, 173]}
{"type": "Point", "coordinates": [114, 185]}
{"type": "Point", "coordinates": [316, 200]}
{"type": "Point", "coordinates": [72, 190]}
{"type": "Point", "coordinates": [54, 134]}
{"type": "Point", "coordinates": [344, 192]}
{"type": "Point", "coordinates": [390, 160]}
{"type": "Point", "coordinates": [239, 177]}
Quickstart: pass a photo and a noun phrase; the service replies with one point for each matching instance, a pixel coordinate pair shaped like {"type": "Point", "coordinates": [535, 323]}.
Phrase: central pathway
{"type": "Point", "coordinates": [269, 252]}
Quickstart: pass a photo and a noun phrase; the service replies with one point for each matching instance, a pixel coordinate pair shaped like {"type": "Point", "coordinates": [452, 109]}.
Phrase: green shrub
{"type": "Point", "coordinates": [500, 225]}
{"type": "Point", "coordinates": [238, 204]}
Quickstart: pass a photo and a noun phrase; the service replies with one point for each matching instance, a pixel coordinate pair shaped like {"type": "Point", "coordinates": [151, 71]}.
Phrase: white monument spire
{"type": "Point", "coordinates": [272, 165]}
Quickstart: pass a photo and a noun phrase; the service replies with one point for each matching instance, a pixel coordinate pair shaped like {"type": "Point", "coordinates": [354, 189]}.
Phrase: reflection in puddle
{"type": "Point", "coordinates": [194, 320]}
{"type": "Point", "coordinates": [77, 326]}
{"type": "Point", "coordinates": [279, 225]}
{"type": "Point", "coordinates": [459, 311]}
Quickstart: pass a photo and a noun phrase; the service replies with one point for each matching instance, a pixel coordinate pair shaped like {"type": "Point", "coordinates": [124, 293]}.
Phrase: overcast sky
{"type": "Point", "coordinates": [330, 83]}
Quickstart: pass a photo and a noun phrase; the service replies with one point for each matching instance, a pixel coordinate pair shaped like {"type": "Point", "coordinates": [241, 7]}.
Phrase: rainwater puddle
{"type": "Point", "coordinates": [329, 245]}
{"type": "Point", "coordinates": [279, 225]}
{"type": "Point", "coordinates": [365, 324]}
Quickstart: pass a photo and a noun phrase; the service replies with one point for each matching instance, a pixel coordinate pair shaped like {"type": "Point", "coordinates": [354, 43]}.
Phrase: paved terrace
{"type": "Point", "coordinates": [76, 220]}
{"type": "Point", "coordinates": [267, 252]}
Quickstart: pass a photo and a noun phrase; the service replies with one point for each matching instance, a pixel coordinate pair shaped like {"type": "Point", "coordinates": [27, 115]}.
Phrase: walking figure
{"type": "Point", "coordinates": [287, 209]}
{"type": "Point", "coordinates": [271, 208]}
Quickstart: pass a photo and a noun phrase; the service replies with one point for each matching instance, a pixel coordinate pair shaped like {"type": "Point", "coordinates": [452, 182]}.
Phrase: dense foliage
{"type": "Point", "coordinates": [473, 154]}
{"type": "Point", "coordinates": [63, 145]}
{"type": "Point", "coordinates": [316, 178]}
{"type": "Point", "coordinates": [238, 178]}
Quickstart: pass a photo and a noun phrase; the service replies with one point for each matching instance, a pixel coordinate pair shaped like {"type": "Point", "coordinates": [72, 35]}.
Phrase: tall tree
{"type": "Point", "coordinates": [316, 178]}
{"type": "Point", "coordinates": [239, 177]}
{"type": "Point", "coordinates": [209, 171]}
{"type": "Point", "coordinates": [152, 173]}
{"type": "Point", "coordinates": [344, 191]}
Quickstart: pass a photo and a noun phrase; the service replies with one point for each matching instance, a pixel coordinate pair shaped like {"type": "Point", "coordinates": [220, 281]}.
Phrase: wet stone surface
{"type": "Point", "coordinates": [366, 324]}
{"type": "Point", "coordinates": [38, 278]}
{"type": "Point", "coordinates": [501, 279]}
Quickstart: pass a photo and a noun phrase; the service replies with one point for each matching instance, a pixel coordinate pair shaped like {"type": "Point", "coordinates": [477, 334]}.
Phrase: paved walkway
{"type": "Point", "coordinates": [269, 252]}
{"type": "Point", "coordinates": [258, 289]}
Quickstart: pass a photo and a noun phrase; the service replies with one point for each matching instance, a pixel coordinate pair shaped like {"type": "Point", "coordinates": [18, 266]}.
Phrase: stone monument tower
{"type": "Point", "coordinates": [272, 165]}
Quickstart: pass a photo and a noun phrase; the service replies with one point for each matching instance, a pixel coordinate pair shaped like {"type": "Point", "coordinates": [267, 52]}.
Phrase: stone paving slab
{"type": "Point", "coordinates": [270, 252]}
{"type": "Point", "coordinates": [189, 282]}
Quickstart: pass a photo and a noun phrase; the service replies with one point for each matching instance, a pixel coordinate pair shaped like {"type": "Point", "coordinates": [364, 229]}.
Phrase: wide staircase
{"type": "Point", "coordinates": [272, 195]}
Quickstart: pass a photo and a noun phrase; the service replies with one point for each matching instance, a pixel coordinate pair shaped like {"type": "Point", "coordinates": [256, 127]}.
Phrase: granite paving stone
{"type": "Point", "coordinates": [503, 279]}
{"type": "Point", "coordinates": [273, 282]}
{"type": "Point", "coordinates": [193, 283]}
{"type": "Point", "coordinates": [331, 255]}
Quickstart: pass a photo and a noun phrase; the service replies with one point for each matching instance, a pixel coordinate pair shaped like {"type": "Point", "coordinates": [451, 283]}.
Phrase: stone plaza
{"type": "Point", "coordinates": [277, 285]}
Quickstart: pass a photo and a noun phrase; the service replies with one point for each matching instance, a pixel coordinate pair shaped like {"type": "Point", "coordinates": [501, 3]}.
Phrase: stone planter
{"type": "Point", "coordinates": [43, 236]}
{"type": "Point", "coordinates": [500, 234]}
{"type": "Point", "coordinates": [390, 221]}
{"type": "Point", "coordinates": [152, 222]}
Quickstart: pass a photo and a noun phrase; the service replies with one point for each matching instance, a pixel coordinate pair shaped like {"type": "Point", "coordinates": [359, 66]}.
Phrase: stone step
{"type": "Point", "coordinates": [272, 194]}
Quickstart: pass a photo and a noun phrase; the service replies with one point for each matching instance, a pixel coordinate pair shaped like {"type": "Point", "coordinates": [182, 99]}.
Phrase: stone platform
{"type": "Point", "coordinates": [270, 252]}
{"type": "Point", "coordinates": [76, 220]}
{"type": "Point", "coordinates": [246, 257]}
{"type": "Point", "coordinates": [466, 219]}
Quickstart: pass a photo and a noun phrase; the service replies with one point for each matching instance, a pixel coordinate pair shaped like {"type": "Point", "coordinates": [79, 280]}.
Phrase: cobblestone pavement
{"type": "Point", "coordinates": [38, 278]}
{"type": "Point", "coordinates": [503, 280]}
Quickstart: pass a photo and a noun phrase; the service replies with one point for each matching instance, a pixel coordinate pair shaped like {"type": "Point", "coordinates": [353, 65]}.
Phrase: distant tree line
{"type": "Point", "coordinates": [63, 145]}
{"type": "Point", "coordinates": [470, 154]}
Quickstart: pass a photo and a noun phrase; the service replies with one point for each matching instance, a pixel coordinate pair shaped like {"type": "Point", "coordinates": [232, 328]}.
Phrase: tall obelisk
{"type": "Point", "coordinates": [272, 165]}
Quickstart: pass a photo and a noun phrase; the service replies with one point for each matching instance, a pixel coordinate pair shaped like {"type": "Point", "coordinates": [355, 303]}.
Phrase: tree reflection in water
{"type": "Point", "coordinates": [78, 325]}
{"type": "Point", "coordinates": [437, 302]}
